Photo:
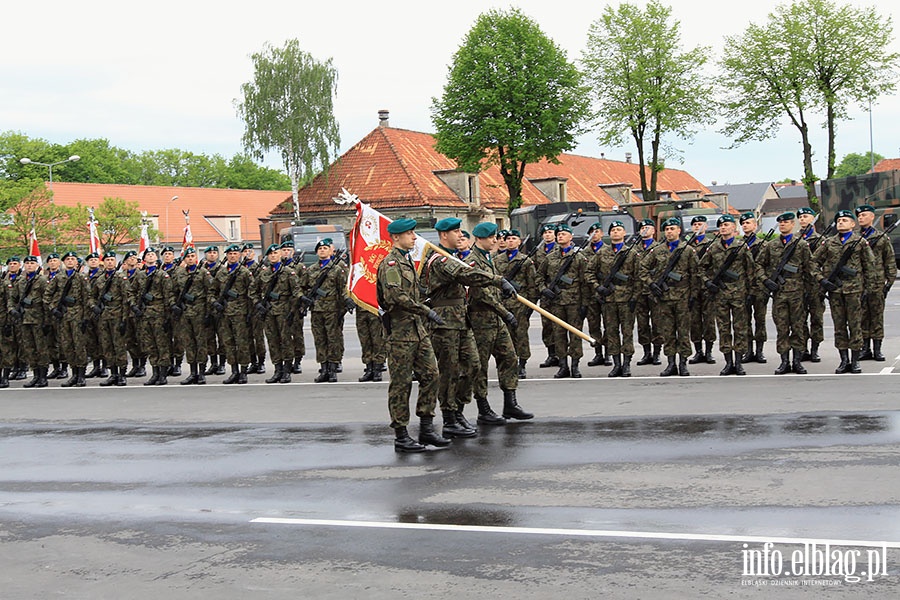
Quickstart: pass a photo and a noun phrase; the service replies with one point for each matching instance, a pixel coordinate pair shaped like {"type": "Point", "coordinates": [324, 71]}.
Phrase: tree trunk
{"type": "Point", "coordinates": [645, 191]}
{"type": "Point", "coordinates": [809, 178]}
{"type": "Point", "coordinates": [831, 133]}
{"type": "Point", "coordinates": [654, 164]}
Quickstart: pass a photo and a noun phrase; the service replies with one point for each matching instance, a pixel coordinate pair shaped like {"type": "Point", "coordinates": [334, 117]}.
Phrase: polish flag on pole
{"type": "Point", "coordinates": [145, 239]}
{"type": "Point", "coordinates": [369, 244]}
{"type": "Point", "coordinates": [187, 241]}
{"type": "Point", "coordinates": [95, 237]}
{"type": "Point", "coordinates": [33, 248]}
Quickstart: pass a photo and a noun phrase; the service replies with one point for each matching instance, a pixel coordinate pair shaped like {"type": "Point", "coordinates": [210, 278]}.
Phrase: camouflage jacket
{"type": "Point", "coordinates": [742, 277]}
{"type": "Point", "coordinates": [576, 284]}
{"type": "Point", "coordinates": [526, 278]}
{"type": "Point", "coordinates": [77, 295]}
{"type": "Point", "coordinates": [279, 289]}
{"type": "Point", "coordinates": [643, 250]}
{"type": "Point", "coordinates": [883, 251]}
{"type": "Point", "coordinates": [195, 299]}
{"type": "Point", "coordinates": [445, 281]}
{"type": "Point", "coordinates": [33, 307]}
{"type": "Point", "coordinates": [112, 293]}
{"type": "Point", "coordinates": [859, 275]}
{"type": "Point", "coordinates": [236, 298]}
{"type": "Point", "coordinates": [333, 291]}
{"type": "Point", "coordinates": [484, 298]}
{"type": "Point", "coordinates": [398, 296]}
{"type": "Point", "coordinates": [627, 283]}
{"type": "Point", "coordinates": [152, 293]}
{"type": "Point", "coordinates": [799, 273]}
{"type": "Point", "coordinates": [686, 270]}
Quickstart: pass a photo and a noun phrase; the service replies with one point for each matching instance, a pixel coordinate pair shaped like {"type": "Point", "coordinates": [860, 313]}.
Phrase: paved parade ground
{"type": "Point", "coordinates": [619, 488]}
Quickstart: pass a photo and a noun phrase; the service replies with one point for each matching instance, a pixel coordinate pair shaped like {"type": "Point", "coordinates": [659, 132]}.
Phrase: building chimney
{"type": "Point", "coordinates": [383, 116]}
{"type": "Point", "coordinates": [628, 157]}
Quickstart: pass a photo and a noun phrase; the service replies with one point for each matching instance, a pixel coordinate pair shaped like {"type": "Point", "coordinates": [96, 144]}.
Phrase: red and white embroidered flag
{"type": "Point", "coordinates": [187, 241]}
{"type": "Point", "coordinates": [33, 248]}
{"type": "Point", "coordinates": [145, 239]}
{"type": "Point", "coordinates": [94, 235]}
{"type": "Point", "coordinates": [369, 244]}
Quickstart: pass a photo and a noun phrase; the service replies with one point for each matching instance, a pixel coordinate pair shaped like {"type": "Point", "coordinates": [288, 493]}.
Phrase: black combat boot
{"type": "Point", "coordinates": [552, 359]}
{"type": "Point", "coordinates": [285, 373]}
{"type": "Point", "coordinates": [647, 358]}
{"type": "Point", "coordinates": [698, 356]}
{"type": "Point", "coordinates": [738, 367]}
{"type": "Point", "coordinates": [201, 373]}
{"type": "Point", "coordinates": [452, 428]}
{"type": "Point", "coordinates": [120, 379]}
{"type": "Point", "coordinates": [176, 367]}
{"type": "Point", "coordinates": [163, 372]}
{"type": "Point", "coordinates": [617, 369]}
{"type": "Point", "coordinates": [402, 441]}
{"type": "Point", "coordinates": [670, 369]}
{"type": "Point", "coordinates": [511, 408]}
{"type": "Point", "coordinates": [233, 377]}
{"type": "Point", "coordinates": [814, 352]}
{"type": "Point", "coordinates": [563, 369]}
{"type": "Point", "coordinates": [462, 420]}
{"type": "Point", "coordinates": [192, 378]}
{"type": "Point", "coordinates": [333, 371]}
{"type": "Point", "coordinates": [657, 348]}
{"type": "Point", "coordinates": [866, 353]}
{"type": "Point", "coordinates": [797, 365]}
{"type": "Point", "coordinates": [381, 367]}
{"type": "Point", "coordinates": [749, 355]}
{"type": "Point", "coordinates": [54, 374]}
{"type": "Point", "coordinates": [427, 435]}
{"type": "Point", "coordinates": [626, 365]}
{"type": "Point", "coordinates": [79, 376]}
{"type": "Point", "coordinates": [576, 372]}
{"type": "Point", "coordinates": [72, 379]}
{"type": "Point", "coordinates": [805, 355]}
{"type": "Point", "coordinates": [876, 351]}
{"type": "Point", "coordinates": [104, 369]}
{"type": "Point", "coordinates": [854, 362]}
{"type": "Point", "coordinates": [276, 376]}
{"type": "Point", "coordinates": [42, 377]}
{"type": "Point", "coordinates": [142, 367]}
{"type": "Point", "coordinates": [95, 371]}
{"type": "Point", "coordinates": [153, 378]}
{"type": "Point", "coordinates": [486, 415]}
{"type": "Point", "coordinates": [4, 378]}
{"type": "Point", "coordinates": [376, 372]}
{"type": "Point", "coordinates": [213, 364]}
{"type": "Point", "coordinates": [63, 371]}
{"type": "Point", "coordinates": [295, 367]}
{"type": "Point", "coordinates": [338, 367]}
{"type": "Point", "coordinates": [597, 360]}
{"type": "Point", "coordinates": [134, 366]}
{"type": "Point", "coordinates": [253, 369]}
{"type": "Point", "coordinates": [844, 366]}
{"type": "Point", "coordinates": [19, 373]}
{"type": "Point", "coordinates": [36, 375]}
{"type": "Point", "coordinates": [113, 377]}
{"type": "Point", "coordinates": [708, 355]}
{"type": "Point", "coordinates": [607, 360]}
{"type": "Point", "coordinates": [522, 373]}
{"type": "Point", "coordinates": [242, 375]}
{"type": "Point", "coordinates": [760, 357]}
{"type": "Point", "coordinates": [367, 374]}
{"type": "Point", "coordinates": [261, 364]}
{"type": "Point", "coordinates": [322, 377]}
{"type": "Point", "coordinates": [683, 366]}
{"type": "Point", "coordinates": [222, 363]}
{"type": "Point", "coordinates": [785, 366]}
{"type": "Point", "coordinates": [728, 369]}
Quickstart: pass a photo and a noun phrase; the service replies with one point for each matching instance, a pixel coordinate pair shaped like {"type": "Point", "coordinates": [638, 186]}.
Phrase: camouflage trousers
{"type": "Point", "coordinates": [873, 316]}
{"type": "Point", "coordinates": [519, 333]}
{"type": "Point", "coordinates": [789, 316]}
{"type": "Point", "coordinates": [298, 340]}
{"type": "Point", "coordinates": [596, 320]}
{"type": "Point", "coordinates": [619, 320]}
{"type": "Point", "coordinates": [234, 335]}
{"type": "Point", "coordinates": [258, 342]}
{"type": "Point", "coordinates": [674, 321]}
{"type": "Point", "coordinates": [328, 335]}
{"type": "Point", "coordinates": [214, 345]}
{"type": "Point", "coordinates": [404, 357]}
{"type": "Point", "coordinates": [548, 328]}
{"type": "Point", "coordinates": [815, 309]}
{"type": "Point", "coordinates": [458, 366]}
{"type": "Point", "coordinates": [155, 341]}
{"type": "Point", "coordinates": [132, 339]}
{"type": "Point", "coordinates": [113, 346]}
{"type": "Point", "coordinates": [568, 344]}
{"type": "Point", "coordinates": [733, 324]}
{"type": "Point", "coordinates": [703, 319]}
{"type": "Point", "coordinates": [647, 332]}
{"type": "Point", "coordinates": [72, 343]}
{"type": "Point", "coordinates": [11, 350]}
{"type": "Point", "coordinates": [371, 336]}
{"type": "Point", "coordinates": [757, 307]}
{"type": "Point", "coordinates": [34, 347]}
{"type": "Point", "coordinates": [492, 339]}
{"type": "Point", "coordinates": [280, 338]}
{"type": "Point", "coordinates": [191, 335]}
{"type": "Point", "coordinates": [846, 314]}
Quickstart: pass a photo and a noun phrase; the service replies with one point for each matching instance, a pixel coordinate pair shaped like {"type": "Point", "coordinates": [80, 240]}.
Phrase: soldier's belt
{"type": "Point", "coordinates": [448, 302]}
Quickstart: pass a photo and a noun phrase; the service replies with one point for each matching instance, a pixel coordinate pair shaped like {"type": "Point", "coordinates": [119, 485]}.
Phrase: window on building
{"type": "Point", "coordinates": [233, 230]}
{"type": "Point", "coordinates": [562, 191]}
{"type": "Point", "coordinates": [471, 190]}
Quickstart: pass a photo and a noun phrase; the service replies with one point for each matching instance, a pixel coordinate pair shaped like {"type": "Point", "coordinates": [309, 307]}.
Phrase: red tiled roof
{"type": "Point", "coordinates": [250, 205]}
{"type": "Point", "coordinates": [887, 164]}
{"type": "Point", "coordinates": [392, 168]}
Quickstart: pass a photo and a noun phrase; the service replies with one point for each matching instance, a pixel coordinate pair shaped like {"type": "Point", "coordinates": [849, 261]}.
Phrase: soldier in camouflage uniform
{"type": "Point", "coordinates": [328, 306]}
{"type": "Point", "coordinates": [566, 286]}
{"type": "Point", "coordinates": [517, 268]}
{"type": "Point", "coordinates": [131, 273]}
{"type": "Point", "coordinates": [176, 350]}
{"type": "Point", "coordinates": [257, 334]}
{"type": "Point", "coordinates": [617, 293]}
{"type": "Point", "coordinates": [298, 314]}
{"type": "Point", "coordinates": [787, 299]}
{"type": "Point", "coordinates": [548, 328]}
{"type": "Point", "coordinates": [92, 334]}
{"type": "Point", "coordinates": [647, 331]}
{"type": "Point", "coordinates": [25, 304]}
{"type": "Point", "coordinates": [151, 300]}
{"type": "Point", "coordinates": [214, 344]}
{"type": "Point", "coordinates": [814, 331]}
{"type": "Point", "coordinates": [191, 301]}
{"type": "Point", "coordinates": [371, 340]}
{"type": "Point", "coordinates": [230, 291]}
{"type": "Point", "coordinates": [729, 275]}
{"type": "Point", "coordinates": [276, 291]}
{"type": "Point", "coordinates": [9, 330]}
{"type": "Point", "coordinates": [594, 309]}
{"type": "Point", "coordinates": [758, 300]}
{"type": "Point", "coordinates": [672, 295]}
{"type": "Point", "coordinates": [109, 305]}
{"type": "Point", "coordinates": [409, 346]}
{"type": "Point", "coordinates": [66, 298]}
{"type": "Point", "coordinates": [846, 287]}
{"type": "Point", "coordinates": [488, 315]}
{"type": "Point", "coordinates": [885, 273]}
{"type": "Point", "coordinates": [703, 320]}
{"type": "Point", "coordinates": [51, 326]}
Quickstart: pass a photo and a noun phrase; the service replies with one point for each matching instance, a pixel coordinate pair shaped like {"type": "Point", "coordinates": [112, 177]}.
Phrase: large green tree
{"type": "Point", "coordinates": [643, 84]}
{"type": "Point", "coordinates": [810, 58]}
{"type": "Point", "coordinates": [856, 164]}
{"type": "Point", "coordinates": [511, 98]}
{"type": "Point", "coordinates": [289, 108]}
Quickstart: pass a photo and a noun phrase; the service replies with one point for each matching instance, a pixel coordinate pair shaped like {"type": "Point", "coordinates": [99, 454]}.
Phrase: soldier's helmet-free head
{"type": "Point", "coordinates": [513, 233]}
{"type": "Point", "coordinates": [448, 224]}
{"type": "Point", "coordinates": [724, 219]}
{"type": "Point", "coordinates": [273, 249]}
{"type": "Point", "coordinates": [746, 217]}
{"type": "Point", "coordinates": [864, 208]}
{"type": "Point", "coordinates": [805, 210]}
{"type": "Point", "coordinates": [672, 222]}
{"type": "Point", "coordinates": [324, 242]}
{"type": "Point", "coordinates": [843, 213]}
{"type": "Point", "coordinates": [401, 225]}
{"type": "Point", "coordinates": [785, 216]}
{"type": "Point", "coordinates": [484, 230]}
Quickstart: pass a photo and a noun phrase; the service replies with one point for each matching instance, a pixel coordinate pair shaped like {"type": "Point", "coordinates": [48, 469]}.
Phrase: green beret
{"type": "Point", "coordinates": [484, 230]}
{"type": "Point", "coordinates": [272, 248]}
{"type": "Point", "coordinates": [864, 208]}
{"type": "Point", "coordinates": [448, 224]}
{"type": "Point", "coordinates": [148, 251]}
{"type": "Point", "coordinates": [672, 222]}
{"type": "Point", "coordinates": [514, 232]}
{"type": "Point", "coordinates": [232, 248]}
{"type": "Point", "coordinates": [595, 226]}
{"type": "Point", "coordinates": [548, 227]}
{"type": "Point", "coordinates": [615, 224]}
{"type": "Point", "coordinates": [698, 219]}
{"type": "Point", "coordinates": [808, 211]}
{"type": "Point", "coordinates": [844, 213]}
{"type": "Point", "coordinates": [189, 250]}
{"type": "Point", "coordinates": [52, 255]}
{"type": "Point", "coordinates": [69, 254]}
{"type": "Point", "coordinates": [211, 249]}
{"type": "Point", "coordinates": [287, 244]}
{"type": "Point", "coordinates": [401, 225]}
{"type": "Point", "coordinates": [563, 227]}
{"type": "Point", "coordinates": [109, 254]}
{"type": "Point", "coordinates": [724, 219]}
{"type": "Point", "coordinates": [501, 233]}
{"type": "Point", "coordinates": [247, 246]}
{"type": "Point", "coordinates": [30, 258]}
{"type": "Point", "coordinates": [648, 223]}
{"type": "Point", "coordinates": [129, 254]}
{"type": "Point", "coordinates": [92, 255]}
{"type": "Point", "coordinates": [324, 242]}
{"type": "Point", "coordinates": [13, 259]}
{"type": "Point", "coordinates": [165, 249]}
{"type": "Point", "coordinates": [466, 234]}
{"type": "Point", "coordinates": [747, 216]}
{"type": "Point", "coordinates": [787, 216]}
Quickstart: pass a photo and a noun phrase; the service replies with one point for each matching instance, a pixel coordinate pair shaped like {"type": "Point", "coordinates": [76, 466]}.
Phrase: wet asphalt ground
{"type": "Point", "coordinates": [640, 488]}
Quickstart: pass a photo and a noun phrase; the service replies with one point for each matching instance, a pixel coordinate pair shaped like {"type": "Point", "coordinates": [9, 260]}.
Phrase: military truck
{"type": "Point", "coordinates": [881, 190]}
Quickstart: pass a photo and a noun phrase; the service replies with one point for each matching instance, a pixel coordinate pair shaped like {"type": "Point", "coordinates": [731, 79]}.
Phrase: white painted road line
{"type": "Point", "coordinates": [651, 535]}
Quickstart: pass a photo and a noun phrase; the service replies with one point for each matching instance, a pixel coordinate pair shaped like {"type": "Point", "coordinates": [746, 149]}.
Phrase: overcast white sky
{"type": "Point", "coordinates": [165, 74]}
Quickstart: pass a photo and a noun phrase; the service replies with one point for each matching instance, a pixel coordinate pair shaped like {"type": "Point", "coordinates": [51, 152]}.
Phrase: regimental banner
{"type": "Point", "coordinates": [33, 247]}
{"type": "Point", "coordinates": [94, 235]}
{"type": "Point", "coordinates": [145, 239]}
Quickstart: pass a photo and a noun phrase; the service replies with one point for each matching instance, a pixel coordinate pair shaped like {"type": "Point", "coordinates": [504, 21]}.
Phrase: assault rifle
{"type": "Point", "coordinates": [705, 247]}
{"type": "Point", "coordinates": [661, 284]}
{"type": "Point", "coordinates": [724, 273]}
{"type": "Point", "coordinates": [754, 249]}
{"type": "Point", "coordinates": [65, 300]}
{"type": "Point", "coordinates": [226, 295]}
{"type": "Point", "coordinates": [185, 295]}
{"type": "Point", "coordinates": [613, 277]}
{"type": "Point", "coordinates": [552, 291]}
{"type": "Point", "coordinates": [816, 243]}
{"type": "Point", "coordinates": [774, 282]}
{"type": "Point", "coordinates": [265, 303]}
{"type": "Point", "coordinates": [105, 297]}
{"type": "Point", "coordinates": [316, 292]}
{"type": "Point", "coordinates": [24, 302]}
{"type": "Point", "coordinates": [835, 279]}
{"type": "Point", "coordinates": [519, 264]}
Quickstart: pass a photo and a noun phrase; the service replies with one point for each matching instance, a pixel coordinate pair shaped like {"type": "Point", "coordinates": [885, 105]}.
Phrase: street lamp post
{"type": "Point", "coordinates": [28, 161]}
{"type": "Point", "coordinates": [166, 236]}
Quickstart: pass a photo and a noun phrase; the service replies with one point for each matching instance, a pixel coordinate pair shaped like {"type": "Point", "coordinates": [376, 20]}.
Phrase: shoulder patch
{"type": "Point", "coordinates": [392, 263]}
{"type": "Point", "coordinates": [443, 259]}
